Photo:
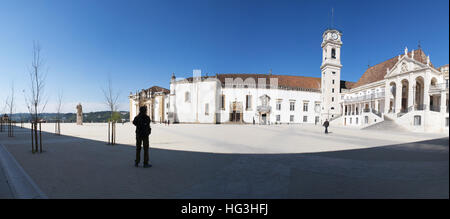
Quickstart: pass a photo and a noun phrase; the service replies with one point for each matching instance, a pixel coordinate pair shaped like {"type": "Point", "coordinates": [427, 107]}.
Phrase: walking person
{"type": "Point", "coordinates": [326, 124]}
{"type": "Point", "coordinates": [143, 130]}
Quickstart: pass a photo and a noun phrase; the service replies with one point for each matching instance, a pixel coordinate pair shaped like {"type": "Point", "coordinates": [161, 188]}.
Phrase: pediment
{"type": "Point", "coordinates": [403, 66]}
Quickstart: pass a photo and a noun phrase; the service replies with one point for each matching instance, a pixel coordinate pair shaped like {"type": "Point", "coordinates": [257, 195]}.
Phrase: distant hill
{"type": "Point", "coordinates": [101, 116]}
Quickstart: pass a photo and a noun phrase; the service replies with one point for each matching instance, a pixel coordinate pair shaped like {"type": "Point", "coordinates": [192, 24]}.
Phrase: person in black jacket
{"type": "Point", "coordinates": [326, 124]}
{"type": "Point", "coordinates": [143, 130]}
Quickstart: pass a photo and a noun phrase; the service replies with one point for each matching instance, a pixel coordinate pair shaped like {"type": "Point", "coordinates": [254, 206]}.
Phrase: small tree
{"type": "Point", "coordinates": [58, 114]}
{"type": "Point", "coordinates": [10, 105]}
{"type": "Point", "coordinates": [35, 99]}
{"type": "Point", "coordinates": [111, 98]}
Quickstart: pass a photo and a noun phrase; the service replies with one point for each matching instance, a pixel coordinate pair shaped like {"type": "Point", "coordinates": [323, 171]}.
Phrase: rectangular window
{"type": "Point", "coordinates": [248, 101]}
{"type": "Point", "coordinates": [333, 81]}
{"type": "Point", "coordinates": [332, 90]}
{"type": "Point", "coordinates": [222, 102]}
{"type": "Point", "coordinates": [332, 99]}
{"type": "Point", "coordinates": [305, 118]}
{"type": "Point", "coordinates": [207, 109]}
{"type": "Point", "coordinates": [305, 107]}
{"type": "Point", "coordinates": [350, 120]}
{"type": "Point", "coordinates": [278, 118]}
{"type": "Point", "coordinates": [278, 104]}
{"type": "Point", "coordinates": [291, 119]}
{"type": "Point", "coordinates": [292, 106]}
{"type": "Point", "coordinates": [446, 122]}
{"type": "Point", "coordinates": [417, 121]}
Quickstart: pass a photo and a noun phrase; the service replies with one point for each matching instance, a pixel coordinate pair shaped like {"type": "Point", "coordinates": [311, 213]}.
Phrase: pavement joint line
{"type": "Point", "coordinates": [21, 184]}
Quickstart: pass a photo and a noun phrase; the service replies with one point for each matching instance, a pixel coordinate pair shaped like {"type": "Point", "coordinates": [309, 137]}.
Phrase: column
{"type": "Point", "coordinates": [376, 106]}
{"type": "Point", "coordinates": [387, 98]}
{"type": "Point", "coordinates": [443, 101]}
{"type": "Point", "coordinates": [398, 97]}
{"type": "Point", "coordinates": [426, 95]}
{"type": "Point", "coordinates": [411, 93]}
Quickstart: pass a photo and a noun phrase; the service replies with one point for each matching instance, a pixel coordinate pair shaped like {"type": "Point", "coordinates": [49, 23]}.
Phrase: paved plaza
{"type": "Point", "coordinates": [235, 161]}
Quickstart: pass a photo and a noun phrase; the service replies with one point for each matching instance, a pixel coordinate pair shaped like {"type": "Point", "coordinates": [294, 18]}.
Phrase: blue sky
{"type": "Point", "coordinates": [140, 43]}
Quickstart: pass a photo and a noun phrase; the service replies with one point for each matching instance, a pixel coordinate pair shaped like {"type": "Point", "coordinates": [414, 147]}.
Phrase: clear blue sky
{"type": "Point", "coordinates": [140, 43]}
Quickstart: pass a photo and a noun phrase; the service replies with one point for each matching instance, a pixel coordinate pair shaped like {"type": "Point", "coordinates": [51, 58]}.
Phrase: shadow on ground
{"type": "Point", "coordinates": [74, 167]}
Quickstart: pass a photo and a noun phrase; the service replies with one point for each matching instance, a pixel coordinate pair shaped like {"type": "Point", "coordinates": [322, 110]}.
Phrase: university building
{"type": "Point", "coordinates": [406, 90]}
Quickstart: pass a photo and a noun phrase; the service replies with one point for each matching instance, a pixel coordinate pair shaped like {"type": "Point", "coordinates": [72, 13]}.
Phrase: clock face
{"type": "Point", "coordinates": [334, 36]}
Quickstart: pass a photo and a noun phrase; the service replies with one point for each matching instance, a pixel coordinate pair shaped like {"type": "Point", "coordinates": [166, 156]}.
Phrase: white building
{"type": "Point", "coordinates": [419, 104]}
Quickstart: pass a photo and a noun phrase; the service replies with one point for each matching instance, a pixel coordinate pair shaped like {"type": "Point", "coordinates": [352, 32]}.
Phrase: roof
{"type": "Point", "coordinates": [284, 81]}
{"type": "Point", "coordinates": [444, 66]}
{"type": "Point", "coordinates": [156, 89]}
{"type": "Point", "coordinates": [378, 71]}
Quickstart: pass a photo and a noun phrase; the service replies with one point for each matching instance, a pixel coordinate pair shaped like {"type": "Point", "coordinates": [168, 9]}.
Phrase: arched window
{"type": "Point", "coordinates": [333, 53]}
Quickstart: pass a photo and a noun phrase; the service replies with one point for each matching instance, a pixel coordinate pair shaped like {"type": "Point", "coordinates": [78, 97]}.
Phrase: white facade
{"type": "Point", "coordinates": [412, 93]}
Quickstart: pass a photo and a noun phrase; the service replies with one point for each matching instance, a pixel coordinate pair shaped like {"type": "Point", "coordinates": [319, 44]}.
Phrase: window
{"type": "Point", "coordinates": [206, 109]}
{"type": "Point", "coordinates": [356, 120]}
{"type": "Point", "coordinates": [333, 53]}
{"type": "Point", "coordinates": [350, 120]}
{"type": "Point", "coordinates": [446, 122]}
{"type": "Point", "coordinates": [332, 108]}
{"type": "Point", "coordinates": [222, 102]}
{"type": "Point", "coordinates": [187, 97]}
{"type": "Point", "coordinates": [278, 104]}
{"type": "Point", "coordinates": [332, 99]}
{"type": "Point", "coordinates": [332, 90]}
{"type": "Point", "coordinates": [292, 106]}
{"type": "Point", "coordinates": [278, 118]}
{"type": "Point", "coordinates": [305, 107]}
{"type": "Point", "coordinates": [291, 119]}
{"type": "Point", "coordinates": [248, 102]}
{"type": "Point", "coordinates": [333, 72]}
{"type": "Point", "coordinates": [417, 121]}
{"type": "Point", "coordinates": [305, 118]}
{"type": "Point", "coordinates": [333, 81]}
{"type": "Point", "coordinates": [366, 120]}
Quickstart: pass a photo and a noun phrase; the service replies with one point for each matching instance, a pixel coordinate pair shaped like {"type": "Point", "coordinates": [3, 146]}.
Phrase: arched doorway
{"type": "Point", "coordinates": [419, 94]}
{"type": "Point", "coordinates": [405, 96]}
{"type": "Point", "coordinates": [393, 88]}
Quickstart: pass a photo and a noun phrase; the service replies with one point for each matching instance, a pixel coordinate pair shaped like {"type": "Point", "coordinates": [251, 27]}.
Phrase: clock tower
{"type": "Point", "coordinates": [331, 73]}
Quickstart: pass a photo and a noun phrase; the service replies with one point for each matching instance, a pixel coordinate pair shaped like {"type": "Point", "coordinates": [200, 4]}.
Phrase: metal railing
{"type": "Point", "coordinates": [438, 87]}
{"type": "Point", "coordinates": [435, 108]}
{"type": "Point", "coordinates": [420, 107]}
{"type": "Point", "coordinates": [365, 97]}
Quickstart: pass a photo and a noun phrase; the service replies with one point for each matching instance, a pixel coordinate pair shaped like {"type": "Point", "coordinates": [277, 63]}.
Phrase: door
{"type": "Point", "coordinates": [264, 118]}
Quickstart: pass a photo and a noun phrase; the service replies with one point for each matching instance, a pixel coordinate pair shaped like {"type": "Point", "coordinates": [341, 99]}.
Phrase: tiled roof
{"type": "Point", "coordinates": [156, 89]}
{"type": "Point", "coordinates": [284, 81]}
{"type": "Point", "coordinates": [378, 71]}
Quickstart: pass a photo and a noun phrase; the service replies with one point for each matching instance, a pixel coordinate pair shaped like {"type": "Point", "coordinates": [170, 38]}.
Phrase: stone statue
{"type": "Point", "coordinates": [79, 114]}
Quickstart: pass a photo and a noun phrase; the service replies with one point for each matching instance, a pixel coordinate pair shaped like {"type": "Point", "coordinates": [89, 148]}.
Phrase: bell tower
{"type": "Point", "coordinates": [331, 73]}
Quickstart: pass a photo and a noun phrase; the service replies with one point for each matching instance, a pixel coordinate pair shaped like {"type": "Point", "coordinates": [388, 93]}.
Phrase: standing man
{"type": "Point", "coordinates": [326, 124]}
{"type": "Point", "coordinates": [143, 130]}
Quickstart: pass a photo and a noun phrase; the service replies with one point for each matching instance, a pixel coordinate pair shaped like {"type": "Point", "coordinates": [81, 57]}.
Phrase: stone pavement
{"type": "Point", "coordinates": [237, 161]}
{"type": "Point", "coordinates": [5, 190]}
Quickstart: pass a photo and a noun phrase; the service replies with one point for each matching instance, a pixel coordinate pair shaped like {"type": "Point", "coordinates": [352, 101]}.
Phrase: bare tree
{"type": "Point", "coordinates": [10, 105]}
{"type": "Point", "coordinates": [58, 113]}
{"type": "Point", "coordinates": [111, 96]}
{"type": "Point", "coordinates": [35, 100]}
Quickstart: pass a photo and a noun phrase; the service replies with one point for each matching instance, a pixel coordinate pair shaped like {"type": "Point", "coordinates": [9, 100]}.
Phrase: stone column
{"type": "Point", "coordinates": [387, 98]}
{"type": "Point", "coordinates": [377, 106]}
{"type": "Point", "coordinates": [411, 93]}
{"type": "Point", "coordinates": [398, 97]}
{"type": "Point", "coordinates": [443, 101]}
{"type": "Point", "coordinates": [426, 95]}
